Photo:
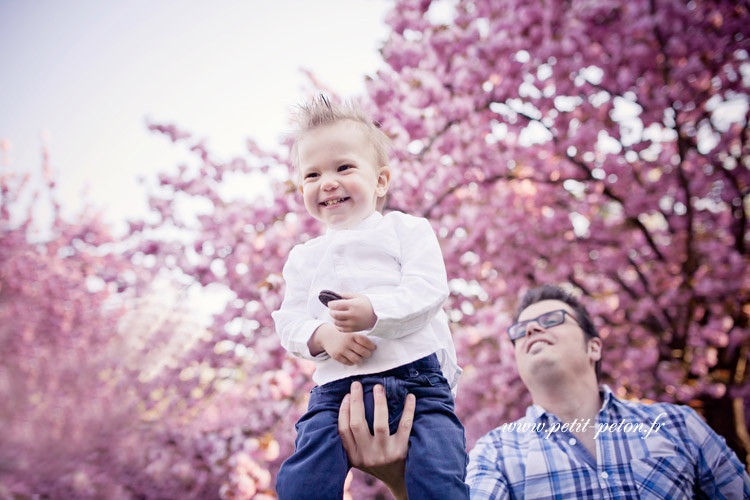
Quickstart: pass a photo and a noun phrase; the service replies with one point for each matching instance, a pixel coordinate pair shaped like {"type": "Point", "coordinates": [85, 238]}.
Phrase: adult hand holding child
{"type": "Point", "coordinates": [378, 454]}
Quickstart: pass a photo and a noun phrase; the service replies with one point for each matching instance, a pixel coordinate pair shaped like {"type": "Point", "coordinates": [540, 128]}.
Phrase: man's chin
{"type": "Point", "coordinates": [540, 369]}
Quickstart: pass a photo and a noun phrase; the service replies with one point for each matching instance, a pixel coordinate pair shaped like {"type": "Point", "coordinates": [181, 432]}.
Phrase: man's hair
{"type": "Point", "coordinates": [321, 111]}
{"type": "Point", "coordinates": [550, 292]}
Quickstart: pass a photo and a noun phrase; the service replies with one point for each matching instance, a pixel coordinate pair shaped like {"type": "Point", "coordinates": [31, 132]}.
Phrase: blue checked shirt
{"type": "Point", "coordinates": [673, 454]}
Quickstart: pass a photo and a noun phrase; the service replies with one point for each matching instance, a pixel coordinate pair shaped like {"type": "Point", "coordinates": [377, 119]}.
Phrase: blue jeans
{"type": "Point", "coordinates": [437, 460]}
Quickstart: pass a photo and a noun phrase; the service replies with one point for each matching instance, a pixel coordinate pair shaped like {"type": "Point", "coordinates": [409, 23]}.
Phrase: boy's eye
{"type": "Point", "coordinates": [344, 167]}
{"type": "Point", "coordinates": [311, 175]}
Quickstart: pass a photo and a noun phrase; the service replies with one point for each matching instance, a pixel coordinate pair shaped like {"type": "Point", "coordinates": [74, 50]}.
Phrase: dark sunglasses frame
{"type": "Point", "coordinates": [514, 327]}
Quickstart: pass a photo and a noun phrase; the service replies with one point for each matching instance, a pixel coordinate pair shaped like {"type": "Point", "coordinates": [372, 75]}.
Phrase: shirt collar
{"type": "Point", "coordinates": [367, 223]}
{"type": "Point", "coordinates": [608, 397]}
{"type": "Point", "coordinates": [536, 412]}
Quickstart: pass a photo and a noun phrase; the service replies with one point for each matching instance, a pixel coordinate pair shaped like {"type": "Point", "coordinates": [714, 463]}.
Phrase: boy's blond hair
{"type": "Point", "coordinates": [320, 112]}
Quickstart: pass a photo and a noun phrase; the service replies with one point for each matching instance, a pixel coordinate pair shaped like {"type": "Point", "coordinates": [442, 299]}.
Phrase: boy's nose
{"type": "Point", "coordinates": [330, 183]}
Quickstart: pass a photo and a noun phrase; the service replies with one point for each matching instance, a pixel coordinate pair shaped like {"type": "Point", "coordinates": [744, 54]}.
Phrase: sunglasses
{"type": "Point", "coordinates": [546, 320]}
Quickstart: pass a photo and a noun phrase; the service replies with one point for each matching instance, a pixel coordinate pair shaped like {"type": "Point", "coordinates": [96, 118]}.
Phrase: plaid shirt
{"type": "Point", "coordinates": [535, 458]}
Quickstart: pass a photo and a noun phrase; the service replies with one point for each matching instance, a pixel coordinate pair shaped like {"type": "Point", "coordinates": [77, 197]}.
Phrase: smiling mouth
{"type": "Point", "coordinates": [335, 201]}
{"type": "Point", "coordinates": [540, 341]}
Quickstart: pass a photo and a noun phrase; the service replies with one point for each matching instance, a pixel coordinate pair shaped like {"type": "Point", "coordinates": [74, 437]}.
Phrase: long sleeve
{"type": "Point", "coordinates": [293, 323]}
{"type": "Point", "coordinates": [423, 288]}
{"type": "Point", "coordinates": [485, 480]}
{"type": "Point", "coordinates": [395, 261]}
{"type": "Point", "coordinates": [719, 472]}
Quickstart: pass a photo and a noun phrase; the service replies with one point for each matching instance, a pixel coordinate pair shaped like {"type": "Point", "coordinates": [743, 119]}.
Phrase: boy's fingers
{"type": "Point", "coordinates": [343, 359]}
{"type": "Point", "coordinates": [343, 326]}
{"type": "Point", "coordinates": [335, 313]}
{"type": "Point", "coordinates": [338, 304]}
{"type": "Point", "coordinates": [353, 358]}
{"type": "Point", "coordinates": [342, 322]}
{"type": "Point", "coordinates": [362, 343]}
{"type": "Point", "coordinates": [365, 341]}
{"type": "Point", "coordinates": [361, 351]}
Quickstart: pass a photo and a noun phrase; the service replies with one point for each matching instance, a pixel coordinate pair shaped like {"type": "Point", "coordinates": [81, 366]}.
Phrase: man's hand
{"type": "Point", "coordinates": [353, 313]}
{"type": "Point", "coordinates": [382, 455]}
{"type": "Point", "coordinates": [346, 348]}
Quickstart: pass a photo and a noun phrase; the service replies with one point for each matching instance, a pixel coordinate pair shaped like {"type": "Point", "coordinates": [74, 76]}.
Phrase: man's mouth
{"type": "Point", "coordinates": [534, 342]}
{"type": "Point", "coordinates": [335, 201]}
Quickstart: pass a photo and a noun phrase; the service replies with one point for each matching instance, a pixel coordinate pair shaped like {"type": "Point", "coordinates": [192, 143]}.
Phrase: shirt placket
{"type": "Point", "coordinates": [342, 273]}
{"type": "Point", "coordinates": [571, 447]}
{"type": "Point", "coordinates": [606, 453]}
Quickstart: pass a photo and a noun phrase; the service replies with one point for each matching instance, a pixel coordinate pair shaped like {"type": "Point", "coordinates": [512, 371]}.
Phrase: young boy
{"type": "Point", "coordinates": [388, 328]}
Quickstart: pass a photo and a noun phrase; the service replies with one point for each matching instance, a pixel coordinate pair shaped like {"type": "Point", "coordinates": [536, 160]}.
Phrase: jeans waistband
{"type": "Point", "coordinates": [428, 364]}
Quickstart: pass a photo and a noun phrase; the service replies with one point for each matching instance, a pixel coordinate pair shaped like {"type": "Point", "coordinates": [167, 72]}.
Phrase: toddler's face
{"type": "Point", "coordinates": [340, 179]}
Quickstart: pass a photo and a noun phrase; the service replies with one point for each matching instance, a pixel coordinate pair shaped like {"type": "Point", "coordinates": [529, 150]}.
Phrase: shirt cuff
{"type": "Point", "coordinates": [299, 346]}
{"type": "Point", "coordinates": [394, 320]}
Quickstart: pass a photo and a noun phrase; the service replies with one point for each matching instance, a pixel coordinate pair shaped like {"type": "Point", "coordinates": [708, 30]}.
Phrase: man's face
{"type": "Point", "coordinates": [554, 351]}
{"type": "Point", "coordinates": [340, 180]}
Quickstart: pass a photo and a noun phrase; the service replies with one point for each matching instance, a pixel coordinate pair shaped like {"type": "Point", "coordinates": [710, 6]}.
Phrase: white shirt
{"type": "Point", "coordinates": [394, 260]}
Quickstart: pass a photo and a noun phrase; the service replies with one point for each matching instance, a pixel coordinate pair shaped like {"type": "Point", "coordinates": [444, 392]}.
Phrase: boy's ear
{"type": "Point", "coordinates": [384, 180]}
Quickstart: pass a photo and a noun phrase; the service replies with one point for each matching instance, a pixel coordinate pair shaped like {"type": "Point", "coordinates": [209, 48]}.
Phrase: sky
{"type": "Point", "coordinates": [84, 76]}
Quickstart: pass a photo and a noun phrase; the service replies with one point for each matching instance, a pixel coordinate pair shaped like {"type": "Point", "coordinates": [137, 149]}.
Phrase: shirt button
{"type": "Point", "coordinates": [572, 442]}
{"type": "Point", "coordinates": [605, 475]}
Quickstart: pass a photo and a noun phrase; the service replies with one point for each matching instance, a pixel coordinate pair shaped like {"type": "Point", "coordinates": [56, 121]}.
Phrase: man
{"type": "Point", "coordinates": [577, 440]}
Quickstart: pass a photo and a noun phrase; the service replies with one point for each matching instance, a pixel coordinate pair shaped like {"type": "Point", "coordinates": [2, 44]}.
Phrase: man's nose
{"type": "Point", "coordinates": [533, 327]}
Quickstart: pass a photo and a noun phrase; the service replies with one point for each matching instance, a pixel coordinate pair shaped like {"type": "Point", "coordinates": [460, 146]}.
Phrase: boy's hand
{"type": "Point", "coordinates": [346, 348]}
{"type": "Point", "coordinates": [352, 314]}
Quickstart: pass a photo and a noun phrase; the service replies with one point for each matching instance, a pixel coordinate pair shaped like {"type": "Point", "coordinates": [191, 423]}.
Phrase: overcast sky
{"type": "Point", "coordinates": [85, 75]}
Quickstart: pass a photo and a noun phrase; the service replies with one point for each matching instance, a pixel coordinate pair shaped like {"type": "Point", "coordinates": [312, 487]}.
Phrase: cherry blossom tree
{"type": "Point", "coordinates": [598, 144]}
{"type": "Point", "coordinates": [55, 322]}
{"type": "Point", "coordinates": [601, 145]}
{"type": "Point", "coordinates": [103, 396]}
